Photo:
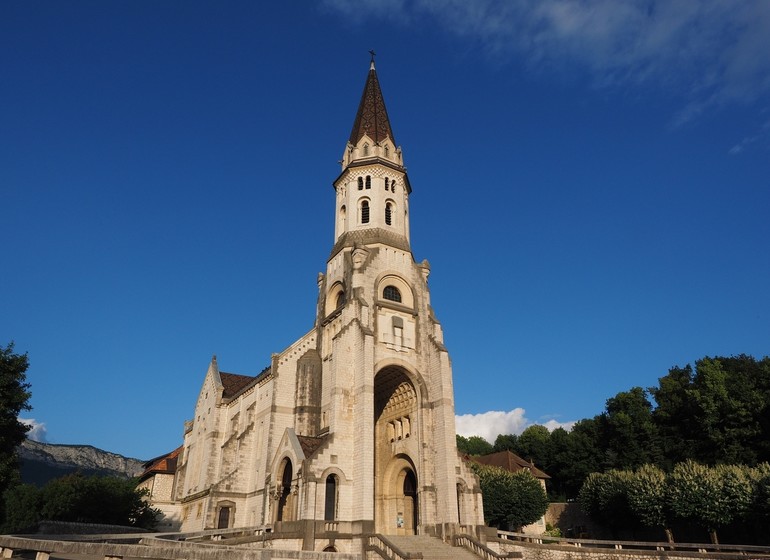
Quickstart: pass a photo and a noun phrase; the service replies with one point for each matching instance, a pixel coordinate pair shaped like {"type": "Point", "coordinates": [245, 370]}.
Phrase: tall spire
{"type": "Point", "coordinates": [372, 117]}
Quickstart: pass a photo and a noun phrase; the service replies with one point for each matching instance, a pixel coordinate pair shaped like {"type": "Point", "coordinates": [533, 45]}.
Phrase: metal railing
{"type": "Point", "coordinates": [480, 550]}
{"type": "Point", "coordinates": [754, 551]}
{"type": "Point", "coordinates": [386, 549]}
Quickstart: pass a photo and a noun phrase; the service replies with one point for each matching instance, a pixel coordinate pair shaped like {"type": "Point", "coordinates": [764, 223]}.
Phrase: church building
{"type": "Point", "coordinates": [351, 429]}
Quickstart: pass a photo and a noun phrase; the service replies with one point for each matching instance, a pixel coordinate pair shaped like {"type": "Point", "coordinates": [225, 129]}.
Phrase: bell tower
{"type": "Point", "coordinates": [373, 188]}
{"type": "Point", "coordinates": [387, 400]}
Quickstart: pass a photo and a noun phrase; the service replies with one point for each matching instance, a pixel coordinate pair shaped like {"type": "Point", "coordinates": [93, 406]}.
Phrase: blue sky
{"type": "Point", "coordinates": [591, 187]}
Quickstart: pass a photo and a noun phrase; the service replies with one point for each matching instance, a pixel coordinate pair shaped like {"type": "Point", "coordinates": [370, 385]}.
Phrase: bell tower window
{"type": "Point", "coordinates": [368, 181]}
{"type": "Point", "coordinates": [360, 184]}
{"type": "Point", "coordinates": [365, 212]}
{"type": "Point", "coordinates": [388, 214]}
{"type": "Point", "coordinates": [392, 293]}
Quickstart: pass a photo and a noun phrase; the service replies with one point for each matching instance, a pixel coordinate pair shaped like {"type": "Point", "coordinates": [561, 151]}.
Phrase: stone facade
{"type": "Point", "coordinates": [352, 428]}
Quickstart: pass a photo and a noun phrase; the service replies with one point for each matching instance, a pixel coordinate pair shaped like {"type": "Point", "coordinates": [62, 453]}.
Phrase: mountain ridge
{"type": "Point", "coordinates": [41, 462]}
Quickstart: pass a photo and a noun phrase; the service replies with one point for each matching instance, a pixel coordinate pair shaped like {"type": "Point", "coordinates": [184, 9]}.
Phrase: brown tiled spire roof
{"type": "Point", "coordinates": [372, 118]}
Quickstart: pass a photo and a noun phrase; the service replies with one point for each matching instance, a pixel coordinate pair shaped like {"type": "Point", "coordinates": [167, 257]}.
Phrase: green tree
{"type": "Point", "coordinates": [711, 497]}
{"type": "Point", "coordinates": [14, 397]}
{"type": "Point", "coordinates": [534, 445]}
{"type": "Point", "coordinates": [474, 445]}
{"type": "Point", "coordinates": [717, 413]}
{"type": "Point", "coordinates": [646, 494]}
{"type": "Point", "coordinates": [507, 442]}
{"type": "Point", "coordinates": [675, 417]}
{"type": "Point", "coordinates": [511, 500]}
{"type": "Point", "coordinates": [761, 481]}
{"type": "Point", "coordinates": [630, 435]}
{"type": "Point", "coordinates": [583, 455]}
{"type": "Point", "coordinates": [731, 395]}
{"type": "Point", "coordinates": [96, 499]}
{"type": "Point", "coordinates": [22, 506]}
{"type": "Point", "coordinates": [604, 496]}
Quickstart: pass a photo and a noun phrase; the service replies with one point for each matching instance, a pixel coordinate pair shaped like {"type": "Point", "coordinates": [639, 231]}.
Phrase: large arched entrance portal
{"type": "Point", "coordinates": [396, 486]}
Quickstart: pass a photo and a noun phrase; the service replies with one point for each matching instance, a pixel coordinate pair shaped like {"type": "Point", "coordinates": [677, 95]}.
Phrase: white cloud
{"type": "Point", "coordinates": [38, 430]}
{"type": "Point", "coordinates": [704, 53]}
{"type": "Point", "coordinates": [495, 422]}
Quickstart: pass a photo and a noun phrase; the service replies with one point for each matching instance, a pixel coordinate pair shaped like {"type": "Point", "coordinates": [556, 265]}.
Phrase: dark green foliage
{"type": "Point", "coordinates": [474, 445]}
{"type": "Point", "coordinates": [22, 506]}
{"type": "Point", "coordinates": [647, 494]}
{"type": "Point", "coordinates": [94, 499]}
{"type": "Point", "coordinates": [507, 442]}
{"type": "Point", "coordinates": [604, 496]}
{"type": "Point", "coordinates": [629, 435]}
{"type": "Point", "coordinates": [692, 495]}
{"type": "Point", "coordinates": [511, 500]}
{"type": "Point", "coordinates": [14, 397]}
{"type": "Point", "coordinates": [717, 412]}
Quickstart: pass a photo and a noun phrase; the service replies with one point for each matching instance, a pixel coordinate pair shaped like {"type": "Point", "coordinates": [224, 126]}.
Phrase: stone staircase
{"type": "Point", "coordinates": [431, 548]}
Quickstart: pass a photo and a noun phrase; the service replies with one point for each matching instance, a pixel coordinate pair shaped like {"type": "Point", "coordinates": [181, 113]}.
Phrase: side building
{"type": "Point", "coordinates": [351, 429]}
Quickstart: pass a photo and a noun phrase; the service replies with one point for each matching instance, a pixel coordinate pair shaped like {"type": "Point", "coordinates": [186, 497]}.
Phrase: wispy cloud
{"type": "Point", "coordinates": [705, 53]}
{"type": "Point", "coordinates": [37, 431]}
{"type": "Point", "coordinates": [762, 136]}
{"type": "Point", "coordinates": [495, 422]}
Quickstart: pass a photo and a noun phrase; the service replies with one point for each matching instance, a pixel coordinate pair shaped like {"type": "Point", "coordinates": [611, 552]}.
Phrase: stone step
{"type": "Point", "coordinates": [431, 548]}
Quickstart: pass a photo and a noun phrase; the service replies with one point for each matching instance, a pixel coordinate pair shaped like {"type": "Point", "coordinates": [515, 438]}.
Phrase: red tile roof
{"type": "Point", "coordinates": [165, 464]}
{"type": "Point", "coordinates": [233, 383]}
{"type": "Point", "coordinates": [510, 462]}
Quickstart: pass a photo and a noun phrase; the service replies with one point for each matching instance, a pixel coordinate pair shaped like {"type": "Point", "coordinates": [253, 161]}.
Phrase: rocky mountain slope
{"type": "Point", "coordinates": [41, 462]}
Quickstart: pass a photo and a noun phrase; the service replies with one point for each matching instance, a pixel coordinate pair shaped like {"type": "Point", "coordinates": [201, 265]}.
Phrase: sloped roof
{"type": "Point", "coordinates": [372, 117]}
{"type": "Point", "coordinates": [310, 444]}
{"type": "Point", "coordinates": [233, 383]}
{"type": "Point", "coordinates": [510, 462]}
{"type": "Point", "coordinates": [165, 464]}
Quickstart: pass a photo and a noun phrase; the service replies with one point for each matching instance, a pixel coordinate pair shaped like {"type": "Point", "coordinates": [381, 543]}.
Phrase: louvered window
{"type": "Point", "coordinates": [365, 212]}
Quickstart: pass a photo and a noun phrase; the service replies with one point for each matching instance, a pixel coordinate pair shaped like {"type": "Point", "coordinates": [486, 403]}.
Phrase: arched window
{"type": "Point", "coordinates": [387, 151]}
{"type": "Point", "coordinates": [330, 502]}
{"type": "Point", "coordinates": [387, 184]}
{"type": "Point", "coordinates": [365, 212]}
{"type": "Point", "coordinates": [392, 293]}
{"type": "Point", "coordinates": [360, 184]}
{"type": "Point", "coordinates": [340, 299]}
{"type": "Point", "coordinates": [368, 181]}
{"type": "Point", "coordinates": [388, 214]}
{"type": "Point", "coordinates": [366, 149]}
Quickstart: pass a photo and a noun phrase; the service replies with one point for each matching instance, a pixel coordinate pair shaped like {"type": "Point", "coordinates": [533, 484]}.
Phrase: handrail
{"type": "Point", "coordinates": [477, 548]}
{"type": "Point", "coordinates": [386, 549]}
{"type": "Point", "coordinates": [635, 545]}
{"type": "Point", "coordinates": [164, 550]}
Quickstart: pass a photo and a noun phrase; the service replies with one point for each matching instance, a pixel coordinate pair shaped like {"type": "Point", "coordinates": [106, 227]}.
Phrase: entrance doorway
{"type": "Point", "coordinates": [396, 496]}
{"type": "Point", "coordinates": [284, 511]}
